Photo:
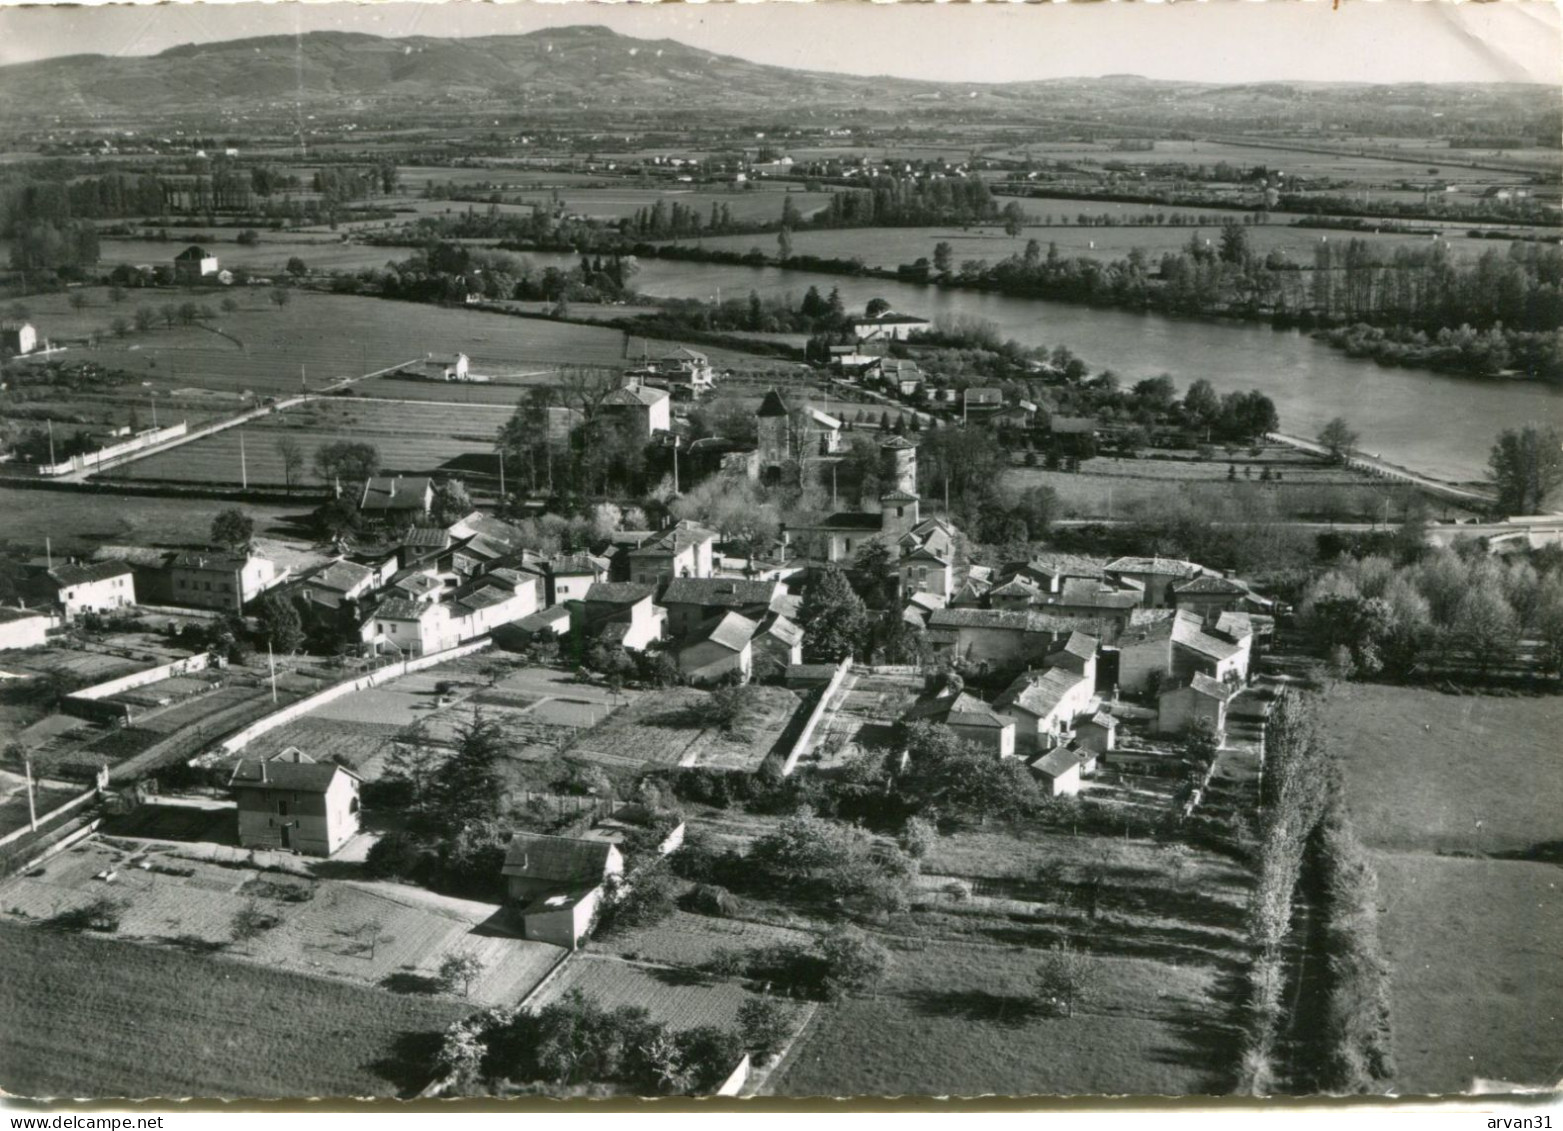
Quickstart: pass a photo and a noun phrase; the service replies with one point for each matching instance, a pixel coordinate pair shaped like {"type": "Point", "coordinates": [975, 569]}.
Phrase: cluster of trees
{"type": "Point", "coordinates": [887, 201]}
{"type": "Point", "coordinates": [66, 246]}
{"type": "Point", "coordinates": [578, 1041]}
{"type": "Point", "coordinates": [1443, 611]}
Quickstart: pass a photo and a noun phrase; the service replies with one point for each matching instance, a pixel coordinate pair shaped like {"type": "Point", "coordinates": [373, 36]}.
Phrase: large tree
{"type": "Point", "coordinates": [291, 453]}
{"type": "Point", "coordinates": [233, 529]}
{"type": "Point", "coordinates": [346, 461]}
{"type": "Point", "coordinates": [1338, 439]}
{"type": "Point", "coordinates": [280, 624]}
{"type": "Point", "coordinates": [833, 617]}
{"type": "Point", "coordinates": [1527, 466]}
{"type": "Point", "coordinates": [451, 502]}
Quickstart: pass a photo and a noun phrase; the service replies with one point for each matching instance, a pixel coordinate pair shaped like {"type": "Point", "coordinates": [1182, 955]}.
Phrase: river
{"type": "Point", "coordinates": [1439, 425]}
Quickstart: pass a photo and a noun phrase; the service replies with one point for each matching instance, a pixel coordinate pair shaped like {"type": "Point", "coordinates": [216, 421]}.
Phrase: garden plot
{"type": "Point", "coordinates": [378, 934]}
{"type": "Point", "coordinates": [361, 746]}
{"type": "Point", "coordinates": [862, 714]}
{"type": "Point", "coordinates": [666, 729]}
{"type": "Point", "coordinates": [685, 939]}
{"type": "Point", "coordinates": [672, 997]}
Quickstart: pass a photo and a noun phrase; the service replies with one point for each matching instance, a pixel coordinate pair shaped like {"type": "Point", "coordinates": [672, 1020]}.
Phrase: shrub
{"type": "Point", "coordinates": [645, 901]}
{"type": "Point", "coordinates": [712, 899]}
{"type": "Point", "coordinates": [765, 1025]}
{"type": "Point", "coordinates": [252, 920]}
{"type": "Point", "coordinates": [101, 914]}
{"type": "Point", "coordinates": [854, 963]}
{"type": "Point", "coordinates": [727, 962]}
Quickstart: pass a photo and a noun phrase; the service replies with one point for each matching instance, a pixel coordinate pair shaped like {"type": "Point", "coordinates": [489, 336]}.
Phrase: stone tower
{"type": "Point", "coordinates": [774, 425]}
{"type": "Point", "coordinates": [898, 502]}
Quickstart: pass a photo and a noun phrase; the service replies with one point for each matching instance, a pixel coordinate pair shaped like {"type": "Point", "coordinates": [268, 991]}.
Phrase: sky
{"type": "Point", "coordinates": [1210, 40]}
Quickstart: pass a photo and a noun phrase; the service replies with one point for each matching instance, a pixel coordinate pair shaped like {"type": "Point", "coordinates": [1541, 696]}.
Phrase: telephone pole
{"type": "Point", "coordinates": [244, 471]}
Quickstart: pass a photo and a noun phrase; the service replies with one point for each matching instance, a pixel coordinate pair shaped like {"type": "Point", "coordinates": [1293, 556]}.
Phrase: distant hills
{"type": "Point", "coordinates": [583, 67]}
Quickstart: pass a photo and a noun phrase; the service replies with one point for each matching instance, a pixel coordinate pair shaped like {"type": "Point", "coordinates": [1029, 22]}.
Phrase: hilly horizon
{"type": "Point", "coordinates": [576, 67]}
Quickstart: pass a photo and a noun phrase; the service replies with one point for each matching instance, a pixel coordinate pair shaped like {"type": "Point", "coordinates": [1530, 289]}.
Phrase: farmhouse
{"type": "Point", "coordinates": [720, 647]}
{"type": "Point", "coordinates": [982, 401]}
{"type": "Point", "coordinates": [683, 550]}
{"type": "Point", "coordinates": [454, 368]}
{"type": "Point", "coordinates": [559, 883]}
{"type": "Point", "coordinates": [18, 337]}
{"type": "Point", "coordinates": [686, 368]}
{"type": "Point", "coordinates": [569, 576]}
{"type": "Point", "coordinates": [623, 613]}
{"type": "Point", "coordinates": [644, 410]}
{"type": "Point", "coordinates": [925, 572]}
{"type": "Point", "coordinates": [1200, 701]}
{"type": "Point", "coordinates": [888, 327]}
{"type": "Point", "coordinates": [1156, 575]}
{"type": "Point", "coordinates": [340, 581]}
{"type": "Point", "coordinates": [293, 803]}
{"type": "Point", "coordinates": [691, 601]}
{"type": "Point", "coordinates": [1001, 638]}
{"type": "Point", "coordinates": [1043, 705]}
{"type": "Point", "coordinates": [194, 265]}
{"type": "Point", "coordinates": [394, 499]}
{"type": "Point", "coordinates": [1060, 771]}
{"type": "Point", "coordinates": [220, 581]}
{"type": "Point", "coordinates": [1176, 644]}
{"type": "Point", "coordinates": [96, 587]}
{"type": "Point", "coordinates": [970, 719]}
{"type": "Point", "coordinates": [22, 628]}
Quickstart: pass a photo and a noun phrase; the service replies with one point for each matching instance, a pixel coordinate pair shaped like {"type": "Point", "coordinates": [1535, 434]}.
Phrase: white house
{"type": "Point", "coordinates": [22, 628]}
{"type": "Point", "coordinates": [721, 646]}
{"type": "Point", "coordinates": [293, 803]}
{"type": "Point", "coordinates": [18, 337]}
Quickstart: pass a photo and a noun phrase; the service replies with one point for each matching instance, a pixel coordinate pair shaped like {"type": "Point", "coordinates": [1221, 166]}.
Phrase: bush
{"type": "Point", "coordinates": [646, 900]}
{"type": "Point", "coordinates": [765, 1026]}
{"type": "Point", "coordinates": [101, 914]}
{"type": "Point", "coordinates": [727, 962]}
{"type": "Point", "coordinates": [712, 899]}
{"type": "Point", "coordinates": [252, 920]}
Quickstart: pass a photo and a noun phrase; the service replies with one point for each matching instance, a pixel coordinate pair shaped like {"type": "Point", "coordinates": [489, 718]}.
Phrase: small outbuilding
{"type": "Point", "coordinates": [292, 803]}
{"type": "Point", "coordinates": [559, 882]}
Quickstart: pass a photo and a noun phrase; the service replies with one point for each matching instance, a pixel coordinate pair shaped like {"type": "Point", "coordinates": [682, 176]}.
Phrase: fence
{"type": "Point", "coordinates": [237, 742]}
{"type": "Point", "coordinates": [817, 714]}
{"type": "Point", "coordinates": [150, 438]}
{"type": "Point", "coordinates": [52, 815]}
{"type": "Point", "coordinates": [88, 702]}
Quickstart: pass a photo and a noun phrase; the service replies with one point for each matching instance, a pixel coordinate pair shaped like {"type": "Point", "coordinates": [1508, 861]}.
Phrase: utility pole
{"type": "Point", "coordinates": [244, 471]}
{"type": "Point", "coordinates": [32, 804]}
{"type": "Point", "coordinates": [502, 475]}
{"type": "Point", "coordinates": [50, 425]}
{"type": "Point", "coordinates": [153, 398]}
{"type": "Point", "coordinates": [48, 551]}
{"type": "Point", "coordinates": [675, 465]}
{"type": "Point", "coordinates": [271, 662]}
{"type": "Point", "coordinates": [833, 487]}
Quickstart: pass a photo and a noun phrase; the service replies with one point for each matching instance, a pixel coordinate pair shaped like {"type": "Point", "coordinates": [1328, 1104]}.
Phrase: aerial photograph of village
{"type": "Point", "coordinates": [781, 551]}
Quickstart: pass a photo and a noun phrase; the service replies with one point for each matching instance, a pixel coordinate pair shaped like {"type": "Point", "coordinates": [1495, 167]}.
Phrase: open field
{"type": "Point", "coordinates": [1424, 768]}
{"type": "Point", "coordinates": [76, 521]}
{"type": "Point", "coordinates": [268, 257]}
{"type": "Point", "coordinates": [325, 338]}
{"type": "Point", "coordinates": [1115, 488]}
{"type": "Point", "coordinates": [954, 1019]}
{"type": "Point", "coordinates": [412, 439]}
{"type": "Point", "coordinates": [890, 247]}
{"type": "Point", "coordinates": [672, 997]}
{"type": "Point", "coordinates": [685, 939]}
{"type": "Point", "coordinates": [191, 1026]}
{"type": "Point", "coordinates": [665, 729]}
{"type": "Point", "coordinates": [174, 897]}
{"type": "Point", "coordinates": [1473, 951]}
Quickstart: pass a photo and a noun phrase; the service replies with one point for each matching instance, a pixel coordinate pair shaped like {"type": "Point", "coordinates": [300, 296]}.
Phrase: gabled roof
{"type": "Point", "coordinates": [1093, 594]}
{"type": "Point", "coordinates": [896, 443]}
{"type": "Point", "coordinates": [641, 396]}
{"type": "Point", "coordinates": [1059, 762]}
{"type": "Point", "coordinates": [731, 630]}
{"type": "Point", "coordinates": [782, 629]}
{"type": "Point", "coordinates": [72, 574]}
{"type": "Point", "coordinates": [684, 353]}
{"type": "Point", "coordinates": [1101, 719]}
{"type": "Point", "coordinates": [543, 619]}
{"type": "Point", "coordinates": [899, 497]}
{"type": "Point", "coordinates": [209, 559]}
{"type": "Point", "coordinates": [572, 565]}
{"type": "Point", "coordinates": [1189, 632]}
{"type": "Point", "coordinates": [822, 418]}
{"type": "Point", "coordinates": [1166, 567]}
{"type": "Point", "coordinates": [395, 493]}
{"type": "Point", "coordinates": [1212, 584]}
{"type": "Point", "coordinates": [9, 615]}
{"type": "Point", "coordinates": [924, 554]}
{"type": "Point", "coordinates": [560, 860]}
{"type": "Point", "coordinates": [984, 396]}
{"type": "Point", "coordinates": [890, 318]}
{"type": "Point", "coordinates": [960, 709]}
{"type": "Point", "coordinates": [1202, 684]}
{"type": "Point", "coordinates": [1021, 620]}
{"type": "Point", "coordinates": [1080, 645]}
{"type": "Point", "coordinates": [340, 575]}
{"type": "Point", "coordinates": [618, 592]}
{"type": "Point", "coordinates": [1016, 586]}
{"type": "Point", "coordinates": [719, 592]}
{"type": "Point", "coordinates": [1146, 626]}
{"type": "Point", "coordinates": [1039, 693]}
{"type": "Point", "coordinates": [679, 537]}
{"type": "Point", "coordinates": [773, 405]}
{"type": "Point", "coordinates": [1235, 624]}
{"type": "Point", "coordinates": [292, 771]}
{"type": "Point", "coordinates": [191, 253]}
{"type": "Point", "coordinates": [399, 608]}
{"type": "Point", "coordinates": [428, 537]}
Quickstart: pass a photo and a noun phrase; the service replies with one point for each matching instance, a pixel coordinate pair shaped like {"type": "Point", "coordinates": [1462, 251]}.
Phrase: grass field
{"type": "Point", "coordinates": [1477, 941]}
{"type": "Point", "coordinates": [268, 257]}
{"type": "Point", "coordinates": [1122, 488]}
{"type": "Point", "coordinates": [412, 438]}
{"type": "Point", "coordinates": [263, 349]}
{"type": "Point", "coordinates": [954, 1019]}
{"type": "Point", "coordinates": [1459, 799]}
{"type": "Point", "coordinates": [1425, 767]}
{"type": "Point", "coordinates": [158, 1022]}
{"type": "Point", "coordinates": [78, 520]}
{"type": "Point", "coordinates": [673, 997]}
{"type": "Point", "coordinates": [890, 247]}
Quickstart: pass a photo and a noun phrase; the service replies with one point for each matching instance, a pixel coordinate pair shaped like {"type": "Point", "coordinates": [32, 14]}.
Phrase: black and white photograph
{"type": "Point", "coordinates": [779, 551]}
